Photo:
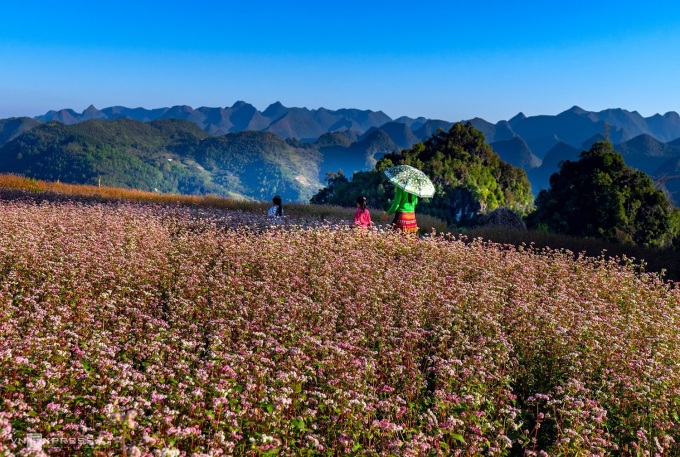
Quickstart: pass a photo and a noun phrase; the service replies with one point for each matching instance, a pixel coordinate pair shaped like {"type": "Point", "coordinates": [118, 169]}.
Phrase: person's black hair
{"type": "Point", "coordinates": [361, 201]}
{"type": "Point", "coordinates": [277, 201]}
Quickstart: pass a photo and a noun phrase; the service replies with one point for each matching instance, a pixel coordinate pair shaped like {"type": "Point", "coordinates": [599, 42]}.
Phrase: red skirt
{"type": "Point", "coordinates": [406, 222]}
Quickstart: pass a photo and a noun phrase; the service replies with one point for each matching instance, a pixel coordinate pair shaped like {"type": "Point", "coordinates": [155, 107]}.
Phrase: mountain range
{"type": "Point", "coordinates": [352, 139]}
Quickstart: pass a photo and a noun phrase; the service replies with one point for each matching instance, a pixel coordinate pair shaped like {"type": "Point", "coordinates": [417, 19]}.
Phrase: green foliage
{"type": "Point", "coordinates": [469, 177]}
{"type": "Point", "coordinates": [599, 196]}
{"type": "Point", "coordinates": [342, 192]}
{"type": "Point", "coordinates": [337, 184]}
{"type": "Point", "coordinates": [167, 155]}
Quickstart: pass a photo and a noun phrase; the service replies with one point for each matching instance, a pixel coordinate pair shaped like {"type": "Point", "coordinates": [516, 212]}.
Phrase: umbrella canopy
{"type": "Point", "coordinates": [410, 180]}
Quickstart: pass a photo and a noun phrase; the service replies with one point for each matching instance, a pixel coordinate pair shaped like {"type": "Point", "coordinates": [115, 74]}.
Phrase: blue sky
{"type": "Point", "coordinates": [450, 60]}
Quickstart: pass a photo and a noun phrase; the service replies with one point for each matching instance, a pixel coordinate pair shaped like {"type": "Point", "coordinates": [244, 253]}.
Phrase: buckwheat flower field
{"type": "Point", "coordinates": [145, 330]}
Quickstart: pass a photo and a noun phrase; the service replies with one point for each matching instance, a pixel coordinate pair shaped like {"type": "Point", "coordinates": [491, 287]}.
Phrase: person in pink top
{"type": "Point", "coordinates": [362, 217]}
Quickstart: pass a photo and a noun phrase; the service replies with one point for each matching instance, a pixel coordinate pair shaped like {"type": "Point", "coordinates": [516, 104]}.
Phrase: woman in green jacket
{"type": "Point", "coordinates": [403, 207]}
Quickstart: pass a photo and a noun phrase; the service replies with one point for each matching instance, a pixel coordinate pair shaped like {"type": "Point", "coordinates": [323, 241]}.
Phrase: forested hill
{"type": "Point", "coordinates": [534, 143]}
{"type": "Point", "coordinates": [167, 155]}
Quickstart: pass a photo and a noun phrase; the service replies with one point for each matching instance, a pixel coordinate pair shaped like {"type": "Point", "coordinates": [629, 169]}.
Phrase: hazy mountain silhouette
{"type": "Point", "coordinates": [340, 156]}
{"type": "Point", "coordinates": [646, 153]}
{"type": "Point", "coordinates": [487, 128]}
{"type": "Point", "coordinates": [415, 124]}
{"type": "Point", "coordinates": [559, 153]}
{"type": "Point", "coordinates": [296, 124]}
{"type": "Point", "coordinates": [667, 177]}
{"type": "Point", "coordinates": [400, 134]}
{"type": "Point", "coordinates": [573, 126]}
{"type": "Point", "coordinates": [15, 126]}
{"type": "Point", "coordinates": [516, 152]}
{"type": "Point", "coordinates": [301, 123]}
{"type": "Point", "coordinates": [540, 176]}
{"type": "Point", "coordinates": [374, 145]}
{"type": "Point", "coordinates": [344, 139]}
{"type": "Point", "coordinates": [430, 127]}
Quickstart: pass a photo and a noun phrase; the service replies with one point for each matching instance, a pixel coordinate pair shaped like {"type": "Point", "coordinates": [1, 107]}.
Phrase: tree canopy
{"type": "Point", "coordinates": [599, 196]}
{"type": "Point", "coordinates": [469, 177]}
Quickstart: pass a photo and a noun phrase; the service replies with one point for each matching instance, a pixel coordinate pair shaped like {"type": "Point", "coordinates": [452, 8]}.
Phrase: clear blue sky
{"type": "Point", "coordinates": [442, 59]}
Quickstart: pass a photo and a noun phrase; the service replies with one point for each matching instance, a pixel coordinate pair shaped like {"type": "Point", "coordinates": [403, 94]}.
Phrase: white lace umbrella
{"type": "Point", "coordinates": [410, 180]}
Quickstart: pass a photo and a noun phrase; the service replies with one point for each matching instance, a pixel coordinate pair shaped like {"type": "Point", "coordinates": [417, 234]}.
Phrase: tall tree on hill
{"type": "Point", "coordinates": [599, 196]}
{"type": "Point", "coordinates": [470, 178]}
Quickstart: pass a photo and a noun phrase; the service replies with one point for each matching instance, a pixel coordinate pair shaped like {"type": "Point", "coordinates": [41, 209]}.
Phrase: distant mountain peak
{"type": "Point", "coordinates": [576, 110]}
{"type": "Point", "coordinates": [92, 113]}
{"type": "Point", "coordinates": [517, 117]}
{"type": "Point", "coordinates": [180, 109]}
{"type": "Point", "coordinates": [240, 104]}
{"type": "Point", "coordinates": [275, 106]}
{"type": "Point", "coordinates": [275, 110]}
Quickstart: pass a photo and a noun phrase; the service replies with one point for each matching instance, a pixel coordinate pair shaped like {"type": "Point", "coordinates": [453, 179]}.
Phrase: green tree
{"type": "Point", "coordinates": [599, 196]}
{"type": "Point", "coordinates": [335, 185]}
{"type": "Point", "coordinates": [340, 191]}
{"type": "Point", "coordinates": [469, 177]}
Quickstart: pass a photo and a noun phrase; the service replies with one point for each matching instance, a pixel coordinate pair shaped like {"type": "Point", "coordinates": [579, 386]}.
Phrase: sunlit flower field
{"type": "Point", "coordinates": [145, 330]}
